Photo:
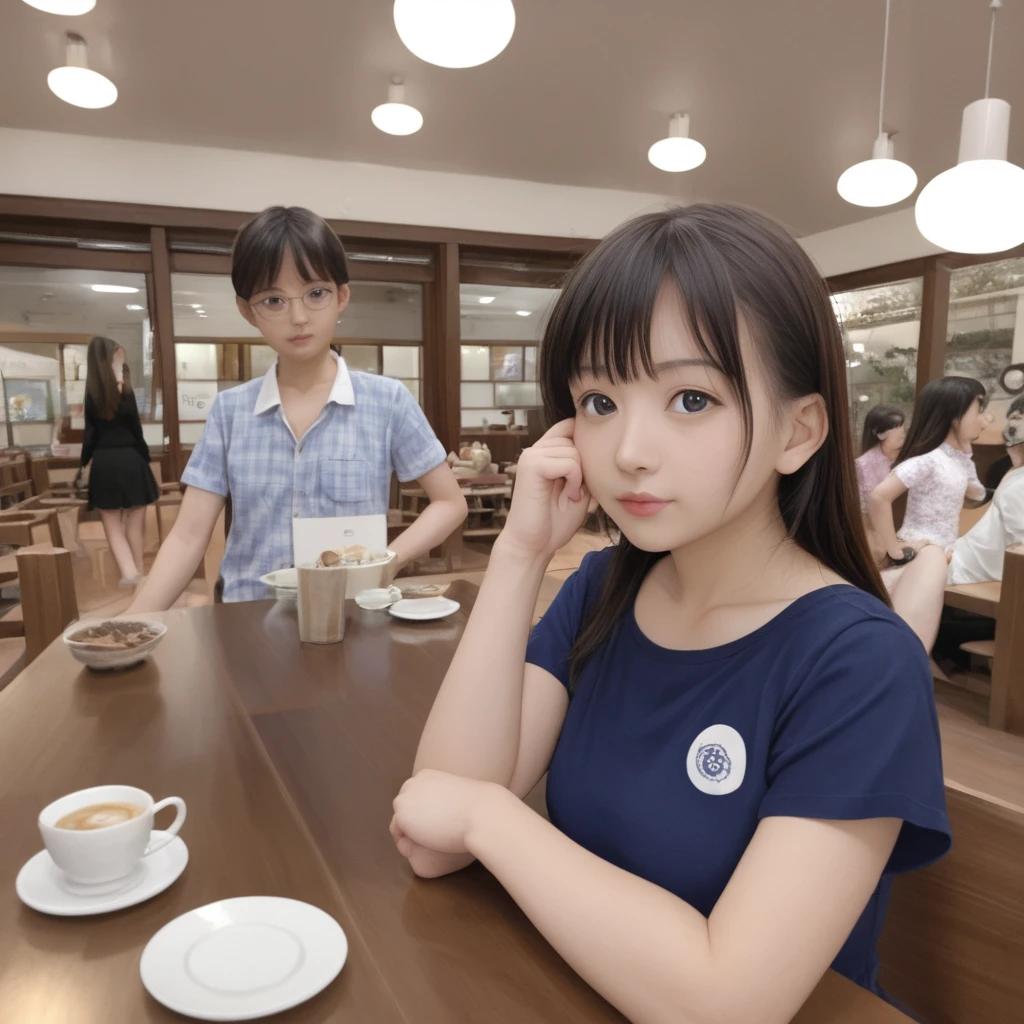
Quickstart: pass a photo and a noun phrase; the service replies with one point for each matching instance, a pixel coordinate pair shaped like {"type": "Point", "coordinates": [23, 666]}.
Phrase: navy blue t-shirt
{"type": "Point", "coordinates": [668, 759]}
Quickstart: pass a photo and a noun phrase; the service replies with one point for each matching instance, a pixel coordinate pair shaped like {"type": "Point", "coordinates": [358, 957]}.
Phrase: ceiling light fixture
{"type": "Point", "coordinates": [455, 33]}
{"type": "Point", "coordinates": [76, 83]}
{"type": "Point", "coordinates": [70, 8]}
{"type": "Point", "coordinates": [396, 117]}
{"type": "Point", "coordinates": [858, 346]}
{"type": "Point", "coordinates": [485, 300]}
{"type": "Point", "coordinates": [134, 308]}
{"type": "Point", "coordinates": [880, 181]}
{"type": "Point", "coordinates": [522, 312]}
{"type": "Point", "coordinates": [678, 152]}
{"type": "Point", "coordinates": [114, 289]}
{"type": "Point", "coordinates": [978, 205]}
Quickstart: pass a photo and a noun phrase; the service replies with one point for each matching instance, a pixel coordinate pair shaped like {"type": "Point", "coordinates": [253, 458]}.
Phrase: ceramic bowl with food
{"type": "Point", "coordinates": [109, 644]}
{"type": "Point", "coordinates": [369, 574]}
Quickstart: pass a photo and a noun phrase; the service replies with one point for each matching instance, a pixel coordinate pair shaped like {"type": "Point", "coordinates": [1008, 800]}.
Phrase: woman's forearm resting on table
{"type": "Point", "coordinates": [786, 912]}
{"type": "Point", "coordinates": [181, 552]}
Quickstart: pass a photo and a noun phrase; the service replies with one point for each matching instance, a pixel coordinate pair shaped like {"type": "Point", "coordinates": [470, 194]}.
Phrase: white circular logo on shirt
{"type": "Point", "coordinates": [717, 760]}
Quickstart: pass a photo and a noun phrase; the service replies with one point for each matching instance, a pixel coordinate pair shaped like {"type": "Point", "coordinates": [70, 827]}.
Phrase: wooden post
{"type": "Point", "coordinates": [931, 345]}
{"type": "Point", "coordinates": [48, 601]}
{"type": "Point", "coordinates": [442, 369]}
{"type": "Point", "coordinates": [1006, 705]}
{"type": "Point", "coordinates": [163, 321]}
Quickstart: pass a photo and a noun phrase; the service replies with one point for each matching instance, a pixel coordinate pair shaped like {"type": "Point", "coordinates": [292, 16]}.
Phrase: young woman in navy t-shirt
{"type": "Point", "coordinates": [740, 736]}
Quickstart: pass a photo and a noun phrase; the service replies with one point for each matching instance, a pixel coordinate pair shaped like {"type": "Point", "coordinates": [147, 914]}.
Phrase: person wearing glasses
{"type": "Point", "coordinates": [311, 439]}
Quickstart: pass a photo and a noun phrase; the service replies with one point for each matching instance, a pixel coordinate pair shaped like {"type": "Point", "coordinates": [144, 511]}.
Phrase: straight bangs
{"type": "Point", "coordinates": [261, 246]}
{"type": "Point", "coordinates": [601, 322]}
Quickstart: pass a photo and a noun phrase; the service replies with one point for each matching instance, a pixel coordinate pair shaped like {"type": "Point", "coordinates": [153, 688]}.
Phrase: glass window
{"type": "Point", "coordinates": [881, 326]}
{"type": "Point", "coordinates": [401, 361]}
{"type": "Point", "coordinates": [364, 358]}
{"type": "Point", "coordinates": [63, 309]}
{"type": "Point", "coordinates": [985, 329]}
{"type": "Point", "coordinates": [261, 359]}
{"type": "Point", "coordinates": [196, 362]}
{"type": "Point", "coordinates": [478, 396]}
{"type": "Point", "coordinates": [496, 315]}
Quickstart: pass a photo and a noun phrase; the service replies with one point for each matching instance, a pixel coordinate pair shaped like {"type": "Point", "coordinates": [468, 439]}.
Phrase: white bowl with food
{"type": "Point", "coordinates": [366, 571]}
{"type": "Point", "coordinates": [108, 644]}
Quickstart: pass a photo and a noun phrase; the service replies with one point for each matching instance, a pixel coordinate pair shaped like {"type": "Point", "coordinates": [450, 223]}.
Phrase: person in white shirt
{"type": "Point", "coordinates": [978, 554]}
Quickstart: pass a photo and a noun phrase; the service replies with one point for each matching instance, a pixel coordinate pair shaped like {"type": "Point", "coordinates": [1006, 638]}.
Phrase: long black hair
{"type": "Point", "coordinates": [939, 407]}
{"type": "Point", "coordinates": [100, 382]}
{"type": "Point", "coordinates": [725, 262]}
{"type": "Point", "coordinates": [880, 418]}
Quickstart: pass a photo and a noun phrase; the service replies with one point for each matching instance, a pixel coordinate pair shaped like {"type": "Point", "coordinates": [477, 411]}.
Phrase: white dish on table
{"type": "Point", "coordinates": [285, 582]}
{"type": "Point", "coordinates": [424, 609]}
{"type": "Point", "coordinates": [243, 958]}
{"type": "Point", "coordinates": [42, 885]}
{"type": "Point", "coordinates": [105, 659]}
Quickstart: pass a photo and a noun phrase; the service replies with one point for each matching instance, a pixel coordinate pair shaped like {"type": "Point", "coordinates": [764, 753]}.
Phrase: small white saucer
{"type": "Point", "coordinates": [243, 958]}
{"type": "Point", "coordinates": [42, 886]}
{"type": "Point", "coordinates": [423, 609]}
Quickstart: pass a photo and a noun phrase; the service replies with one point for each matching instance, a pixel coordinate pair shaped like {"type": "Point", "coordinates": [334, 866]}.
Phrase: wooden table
{"type": "Point", "coordinates": [288, 758]}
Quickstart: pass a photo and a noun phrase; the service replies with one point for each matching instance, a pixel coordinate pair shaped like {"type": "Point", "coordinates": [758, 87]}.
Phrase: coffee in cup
{"type": "Point", "coordinates": [99, 816]}
{"type": "Point", "coordinates": [101, 834]}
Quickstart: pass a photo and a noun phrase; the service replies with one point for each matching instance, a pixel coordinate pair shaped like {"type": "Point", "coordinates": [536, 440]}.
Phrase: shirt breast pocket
{"type": "Point", "coordinates": [346, 487]}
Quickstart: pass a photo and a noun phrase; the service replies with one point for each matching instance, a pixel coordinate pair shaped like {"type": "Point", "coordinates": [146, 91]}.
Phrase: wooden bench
{"type": "Point", "coordinates": [953, 942]}
{"type": "Point", "coordinates": [1003, 602]}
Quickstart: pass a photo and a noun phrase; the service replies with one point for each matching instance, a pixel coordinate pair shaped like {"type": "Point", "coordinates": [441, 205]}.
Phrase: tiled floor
{"type": "Point", "coordinates": [98, 597]}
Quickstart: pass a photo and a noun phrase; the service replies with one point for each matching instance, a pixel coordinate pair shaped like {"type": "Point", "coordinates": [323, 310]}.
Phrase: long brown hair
{"type": "Point", "coordinates": [724, 261]}
{"type": "Point", "coordinates": [939, 407]}
{"type": "Point", "coordinates": [100, 382]}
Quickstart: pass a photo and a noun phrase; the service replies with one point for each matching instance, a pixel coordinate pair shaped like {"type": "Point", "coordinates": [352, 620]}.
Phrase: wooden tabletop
{"type": "Point", "coordinates": [288, 757]}
{"type": "Point", "coordinates": [977, 598]}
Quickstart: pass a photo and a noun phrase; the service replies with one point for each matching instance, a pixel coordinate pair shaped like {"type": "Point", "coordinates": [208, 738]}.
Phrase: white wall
{"type": "Point", "coordinates": [121, 170]}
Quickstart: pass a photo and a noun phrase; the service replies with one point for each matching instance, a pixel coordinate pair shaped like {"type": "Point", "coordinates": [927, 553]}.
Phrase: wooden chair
{"type": "Point", "coordinates": [21, 528]}
{"type": "Point", "coordinates": [16, 482]}
{"type": "Point", "coordinates": [1003, 602]}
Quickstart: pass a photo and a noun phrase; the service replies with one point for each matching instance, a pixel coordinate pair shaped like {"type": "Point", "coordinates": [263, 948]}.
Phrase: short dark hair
{"type": "Point", "coordinates": [880, 418]}
{"type": "Point", "coordinates": [260, 248]}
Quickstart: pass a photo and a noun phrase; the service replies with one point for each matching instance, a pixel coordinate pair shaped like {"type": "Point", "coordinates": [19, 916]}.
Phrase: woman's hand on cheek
{"type": "Point", "coordinates": [435, 810]}
{"type": "Point", "coordinates": [550, 500]}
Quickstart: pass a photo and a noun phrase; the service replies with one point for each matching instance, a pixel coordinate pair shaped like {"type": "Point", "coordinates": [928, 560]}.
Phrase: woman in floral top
{"type": "Point", "coordinates": [937, 471]}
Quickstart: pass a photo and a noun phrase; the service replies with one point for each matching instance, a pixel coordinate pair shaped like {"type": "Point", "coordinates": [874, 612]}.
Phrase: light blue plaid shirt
{"type": "Point", "coordinates": [370, 427]}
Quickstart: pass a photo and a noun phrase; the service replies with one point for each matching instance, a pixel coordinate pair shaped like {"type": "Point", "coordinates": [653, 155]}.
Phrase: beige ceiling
{"type": "Point", "coordinates": [783, 93]}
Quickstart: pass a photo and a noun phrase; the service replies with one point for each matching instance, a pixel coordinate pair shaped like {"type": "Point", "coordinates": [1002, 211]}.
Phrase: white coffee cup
{"type": "Point", "coordinates": [98, 855]}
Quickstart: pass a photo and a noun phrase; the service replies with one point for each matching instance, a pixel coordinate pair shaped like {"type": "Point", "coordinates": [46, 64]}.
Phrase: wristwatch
{"type": "Point", "coordinates": [909, 554]}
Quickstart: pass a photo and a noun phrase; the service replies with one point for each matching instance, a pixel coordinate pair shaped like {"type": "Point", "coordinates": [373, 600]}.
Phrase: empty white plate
{"type": "Point", "coordinates": [243, 958]}
{"type": "Point", "coordinates": [42, 885]}
{"type": "Point", "coordinates": [422, 609]}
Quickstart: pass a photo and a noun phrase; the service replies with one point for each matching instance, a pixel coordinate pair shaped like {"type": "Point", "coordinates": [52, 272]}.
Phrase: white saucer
{"type": "Point", "coordinates": [422, 609]}
{"type": "Point", "coordinates": [243, 958]}
{"type": "Point", "coordinates": [42, 886]}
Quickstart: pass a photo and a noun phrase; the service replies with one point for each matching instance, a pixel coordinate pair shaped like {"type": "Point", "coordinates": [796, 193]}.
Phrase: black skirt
{"type": "Point", "coordinates": [121, 478]}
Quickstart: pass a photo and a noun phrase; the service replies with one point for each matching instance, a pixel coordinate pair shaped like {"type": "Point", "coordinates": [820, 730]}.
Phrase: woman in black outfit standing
{"type": "Point", "coordinates": [121, 483]}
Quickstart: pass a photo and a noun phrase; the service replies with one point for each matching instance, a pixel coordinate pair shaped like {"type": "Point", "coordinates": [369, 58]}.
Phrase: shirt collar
{"type": "Point", "coordinates": [270, 396]}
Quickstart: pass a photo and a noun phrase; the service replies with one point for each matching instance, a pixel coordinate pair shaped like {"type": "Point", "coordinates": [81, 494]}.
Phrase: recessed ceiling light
{"type": "Point", "coordinates": [522, 312]}
{"type": "Point", "coordinates": [114, 289]}
{"type": "Point", "coordinates": [863, 398]}
{"type": "Point", "coordinates": [485, 300]}
{"type": "Point", "coordinates": [858, 346]}
{"type": "Point", "coordinates": [196, 305]}
{"type": "Point", "coordinates": [134, 308]}
{"type": "Point", "coordinates": [76, 83]}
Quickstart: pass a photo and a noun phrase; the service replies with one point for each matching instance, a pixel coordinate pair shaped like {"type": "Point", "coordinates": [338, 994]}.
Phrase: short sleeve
{"type": "Point", "coordinates": [553, 637]}
{"type": "Point", "coordinates": [975, 488]}
{"type": "Point", "coordinates": [859, 738]}
{"type": "Point", "coordinates": [415, 450]}
{"type": "Point", "coordinates": [208, 464]}
{"type": "Point", "coordinates": [914, 472]}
